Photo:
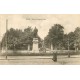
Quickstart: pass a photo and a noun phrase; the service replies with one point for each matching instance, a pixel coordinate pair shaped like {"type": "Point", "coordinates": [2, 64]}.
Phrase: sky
{"type": "Point", "coordinates": [43, 22]}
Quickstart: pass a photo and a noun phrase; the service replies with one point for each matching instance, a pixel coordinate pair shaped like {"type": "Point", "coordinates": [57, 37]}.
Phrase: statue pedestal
{"type": "Point", "coordinates": [35, 45]}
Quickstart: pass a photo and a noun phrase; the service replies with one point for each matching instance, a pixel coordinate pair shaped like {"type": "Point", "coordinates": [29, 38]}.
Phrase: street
{"type": "Point", "coordinates": [40, 60]}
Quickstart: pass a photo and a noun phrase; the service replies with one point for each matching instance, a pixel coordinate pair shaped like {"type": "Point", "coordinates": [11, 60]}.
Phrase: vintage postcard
{"type": "Point", "coordinates": [40, 39]}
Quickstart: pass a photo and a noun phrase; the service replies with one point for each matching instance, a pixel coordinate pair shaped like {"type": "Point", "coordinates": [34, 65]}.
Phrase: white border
{"type": "Point", "coordinates": [39, 7]}
{"type": "Point", "coordinates": [39, 72]}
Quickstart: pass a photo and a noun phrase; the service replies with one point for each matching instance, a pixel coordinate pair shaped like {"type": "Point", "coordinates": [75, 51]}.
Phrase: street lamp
{"type": "Point", "coordinates": [6, 36]}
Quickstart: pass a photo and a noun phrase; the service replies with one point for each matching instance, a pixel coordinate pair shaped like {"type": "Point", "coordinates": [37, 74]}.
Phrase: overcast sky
{"type": "Point", "coordinates": [42, 21]}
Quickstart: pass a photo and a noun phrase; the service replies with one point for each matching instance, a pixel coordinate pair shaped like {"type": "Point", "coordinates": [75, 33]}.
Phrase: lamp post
{"type": "Point", "coordinates": [6, 36]}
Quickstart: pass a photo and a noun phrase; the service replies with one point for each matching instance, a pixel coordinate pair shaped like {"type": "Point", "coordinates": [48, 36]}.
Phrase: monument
{"type": "Point", "coordinates": [35, 41]}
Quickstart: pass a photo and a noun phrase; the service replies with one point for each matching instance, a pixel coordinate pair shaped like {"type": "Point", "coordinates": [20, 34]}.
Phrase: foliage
{"type": "Point", "coordinates": [59, 40]}
{"type": "Point", "coordinates": [55, 36]}
{"type": "Point", "coordinates": [18, 39]}
{"type": "Point", "coordinates": [77, 37]}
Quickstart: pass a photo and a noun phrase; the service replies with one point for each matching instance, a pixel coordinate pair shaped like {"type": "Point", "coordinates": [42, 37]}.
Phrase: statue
{"type": "Point", "coordinates": [35, 41]}
{"type": "Point", "coordinates": [35, 32]}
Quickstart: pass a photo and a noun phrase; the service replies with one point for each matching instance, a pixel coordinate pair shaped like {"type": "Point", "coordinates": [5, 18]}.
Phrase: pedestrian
{"type": "Point", "coordinates": [54, 57]}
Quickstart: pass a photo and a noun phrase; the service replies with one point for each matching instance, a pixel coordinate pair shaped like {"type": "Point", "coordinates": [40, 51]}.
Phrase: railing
{"type": "Point", "coordinates": [26, 51]}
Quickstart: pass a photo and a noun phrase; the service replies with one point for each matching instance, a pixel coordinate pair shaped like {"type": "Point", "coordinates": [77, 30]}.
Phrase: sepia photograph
{"type": "Point", "coordinates": [39, 39]}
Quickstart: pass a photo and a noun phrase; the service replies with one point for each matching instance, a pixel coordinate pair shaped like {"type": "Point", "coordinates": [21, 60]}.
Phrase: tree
{"type": "Point", "coordinates": [65, 41]}
{"type": "Point", "coordinates": [47, 42]}
{"type": "Point", "coordinates": [68, 41]}
{"type": "Point", "coordinates": [55, 36]}
{"type": "Point", "coordinates": [77, 38]}
{"type": "Point", "coordinates": [71, 39]}
{"type": "Point", "coordinates": [18, 39]}
{"type": "Point", "coordinates": [27, 38]}
{"type": "Point", "coordinates": [12, 39]}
